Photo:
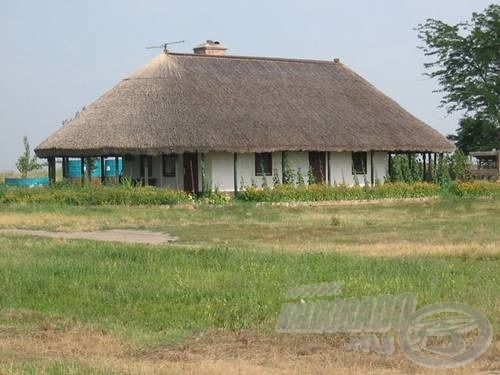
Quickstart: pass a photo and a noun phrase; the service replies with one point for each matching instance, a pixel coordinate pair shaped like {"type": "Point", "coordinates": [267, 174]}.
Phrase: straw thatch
{"type": "Point", "coordinates": [194, 103]}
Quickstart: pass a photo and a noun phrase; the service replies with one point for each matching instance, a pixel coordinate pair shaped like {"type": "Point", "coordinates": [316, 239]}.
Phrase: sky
{"type": "Point", "coordinates": [57, 56]}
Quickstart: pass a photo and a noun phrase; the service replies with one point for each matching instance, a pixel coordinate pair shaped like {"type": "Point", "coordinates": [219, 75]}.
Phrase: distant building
{"type": "Point", "coordinates": [485, 164]}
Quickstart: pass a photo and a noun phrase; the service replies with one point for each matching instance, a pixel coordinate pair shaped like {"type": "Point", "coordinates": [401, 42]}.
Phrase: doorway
{"type": "Point", "coordinates": [191, 172]}
{"type": "Point", "coordinates": [317, 165]}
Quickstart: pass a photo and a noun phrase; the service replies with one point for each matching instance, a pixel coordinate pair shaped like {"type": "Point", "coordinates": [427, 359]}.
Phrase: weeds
{"type": "Point", "coordinates": [128, 194]}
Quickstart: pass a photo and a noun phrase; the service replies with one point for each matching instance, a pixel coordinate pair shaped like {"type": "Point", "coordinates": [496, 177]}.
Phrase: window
{"type": "Point", "coordinates": [263, 164]}
{"type": "Point", "coordinates": [150, 165]}
{"type": "Point", "coordinates": [169, 162]}
{"type": "Point", "coordinates": [359, 162]}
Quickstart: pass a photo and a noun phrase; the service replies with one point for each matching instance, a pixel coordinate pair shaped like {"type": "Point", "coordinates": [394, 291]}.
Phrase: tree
{"type": "Point", "coordinates": [27, 163]}
{"type": "Point", "coordinates": [476, 135]}
{"type": "Point", "coordinates": [466, 62]}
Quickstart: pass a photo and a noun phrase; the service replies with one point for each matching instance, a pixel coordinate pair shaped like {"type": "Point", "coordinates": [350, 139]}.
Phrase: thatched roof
{"type": "Point", "coordinates": [187, 103]}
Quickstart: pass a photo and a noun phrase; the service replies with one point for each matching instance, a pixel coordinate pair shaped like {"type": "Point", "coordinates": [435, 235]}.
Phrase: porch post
{"type": "Point", "coordinates": [235, 173]}
{"type": "Point", "coordinates": [52, 169]}
{"type": "Point", "coordinates": [389, 166]}
{"type": "Point", "coordinates": [328, 171]}
{"type": "Point", "coordinates": [372, 179]}
{"type": "Point", "coordinates": [283, 156]}
{"type": "Point", "coordinates": [82, 171]}
{"type": "Point", "coordinates": [117, 170]}
{"type": "Point", "coordinates": [161, 170]}
{"type": "Point", "coordinates": [429, 166]}
{"type": "Point", "coordinates": [146, 170]}
{"type": "Point", "coordinates": [103, 171]}
{"type": "Point", "coordinates": [89, 169]}
{"type": "Point", "coordinates": [65, 167]}
{"type": "Point", "coordinates": [203, 172]}
{"type": "Point", "coordinates": [424, 170]}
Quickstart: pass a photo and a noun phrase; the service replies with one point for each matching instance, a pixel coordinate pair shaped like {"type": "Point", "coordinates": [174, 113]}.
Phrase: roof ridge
{"type": "Point", "coordinates": [264, 58]}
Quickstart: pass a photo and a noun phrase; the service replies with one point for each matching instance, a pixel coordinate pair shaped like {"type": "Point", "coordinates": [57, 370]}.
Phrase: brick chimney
{"type": "Point", "coordinates": [210, 47]}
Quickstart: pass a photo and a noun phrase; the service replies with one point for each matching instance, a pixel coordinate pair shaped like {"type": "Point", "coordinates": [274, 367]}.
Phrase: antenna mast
{"type": "Point", "coordinates": [165, 45]}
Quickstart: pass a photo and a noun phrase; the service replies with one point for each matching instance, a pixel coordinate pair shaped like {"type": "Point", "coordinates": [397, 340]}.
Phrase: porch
{"type": "Point", "coordinates": [230, 172]}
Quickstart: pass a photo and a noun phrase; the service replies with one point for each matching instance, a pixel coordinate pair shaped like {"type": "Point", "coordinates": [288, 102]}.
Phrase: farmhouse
{"type": "Point", "coordinates": [207, 119]}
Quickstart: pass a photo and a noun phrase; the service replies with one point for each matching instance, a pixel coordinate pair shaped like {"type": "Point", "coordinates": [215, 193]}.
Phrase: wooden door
{"type": "Point", "coordinates": [191, 172]}
{"type": "Point", "coordinates": [317, 161]}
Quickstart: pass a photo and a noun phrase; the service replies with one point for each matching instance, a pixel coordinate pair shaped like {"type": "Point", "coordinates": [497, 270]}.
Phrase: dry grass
{"type": "Point", "coordinates": [403, 248]}
{"type": "Point", "coordinates": [212, 352]}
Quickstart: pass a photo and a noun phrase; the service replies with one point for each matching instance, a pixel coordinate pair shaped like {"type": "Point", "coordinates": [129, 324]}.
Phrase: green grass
{"type": "Point", "coordinates": [157, 290]}
{"type": "Point", "coordinates": [232, 265]}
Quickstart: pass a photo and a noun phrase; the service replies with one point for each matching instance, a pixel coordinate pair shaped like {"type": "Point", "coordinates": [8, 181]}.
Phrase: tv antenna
{"type": "Point", "coordinates": [165, 45]}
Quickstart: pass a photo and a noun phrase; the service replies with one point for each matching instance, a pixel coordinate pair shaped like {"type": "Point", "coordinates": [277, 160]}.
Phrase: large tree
{"type": "Point", "coordinates": [466, 63]}
{"type": "Point", "coordinates": [476, 135]}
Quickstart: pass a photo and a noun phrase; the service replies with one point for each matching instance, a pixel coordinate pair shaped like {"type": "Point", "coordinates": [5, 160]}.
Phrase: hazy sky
{"type": "Point", "coordinates": [57, 56]}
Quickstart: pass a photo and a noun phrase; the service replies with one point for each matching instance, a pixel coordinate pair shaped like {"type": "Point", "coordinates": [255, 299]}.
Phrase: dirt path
{"type": "Point", "coordinates": [115, 235]}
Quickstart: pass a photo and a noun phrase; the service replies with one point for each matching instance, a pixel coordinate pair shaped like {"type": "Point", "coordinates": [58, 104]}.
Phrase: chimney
{"type": "Point", "coordinates": [213, 48]}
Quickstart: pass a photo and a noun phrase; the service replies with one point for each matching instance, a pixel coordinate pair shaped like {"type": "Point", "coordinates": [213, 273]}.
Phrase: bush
{"type": "Point", "coordinates": [406, 169]}
{"type": "Point", "coordinates": [449, 168]}
{"type": "Point", "coordinates": [442, 173]}
{"type": "Point", "coordinates": [459, 167]}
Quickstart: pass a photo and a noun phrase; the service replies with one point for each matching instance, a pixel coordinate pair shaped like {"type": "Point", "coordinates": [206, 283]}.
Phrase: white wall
{"type": "Point", "coordinates": [298, 160]}
{"type": "Point", "coordinates": [246, 170]}
{"type": "Point", "coordinates": [341, 168]}
{"type": "Point", "coordinates": [380, 166]}
{"type": "Point", "coordinates": [219, 169]}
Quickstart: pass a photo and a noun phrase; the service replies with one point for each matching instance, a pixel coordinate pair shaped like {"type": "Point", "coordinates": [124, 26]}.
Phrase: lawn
{"type": "Point", "coordinates": [71, 306]}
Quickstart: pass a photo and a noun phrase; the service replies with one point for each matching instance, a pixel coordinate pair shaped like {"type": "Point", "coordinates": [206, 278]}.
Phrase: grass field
{"type": "Point", "coordinates": [209, 302]}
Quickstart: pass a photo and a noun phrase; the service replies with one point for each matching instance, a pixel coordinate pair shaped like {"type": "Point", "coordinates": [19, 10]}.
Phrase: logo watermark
{"type": "Point", "coordinates": [442, 335]}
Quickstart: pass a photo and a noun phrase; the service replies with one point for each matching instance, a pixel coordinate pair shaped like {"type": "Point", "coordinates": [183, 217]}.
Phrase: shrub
{"type": "Point", "coordinates": [406, 168]}
{"type": "Point", "coordinates": [300, 177]}
{"type": "Point", "coordinates": [459, 168]}
{"type": "Point", "coordinates": [442, 172]}
{"type": "Point", "coordinates": [288, 173]}
{"type": "Point", "coordinates": [311, 179]}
